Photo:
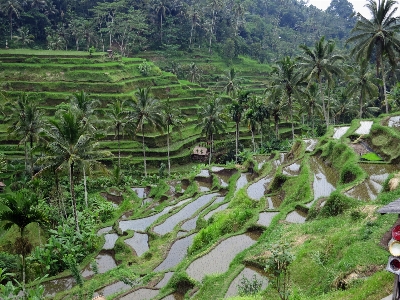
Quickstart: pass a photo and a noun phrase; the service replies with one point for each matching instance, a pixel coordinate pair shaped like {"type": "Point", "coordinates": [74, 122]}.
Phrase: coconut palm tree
{"type": "Point", "coordinates": [236, 111]}
{"type": "Point", "coordinates": [161, 9]}
{"type": "Point", "coordinates": [275, 106]}
{"type": "Point", "coordinates": [378, 37]}
{"type": "Point", "coordinates": [26, 124]}
{"type": "Point", "coordinates": [211, 121]}
{"type": "Point", "coordinates": [70, 145]}
{"type": "Point", "coordinates": [288, 78]}
{"type": "Point", "coordinates": [362, 82]}
{"type": "Point", "coordinates": [171, 117]}
{"type": "Point", "coordinates": [118, 117]}
{"type": "Point", "coordinates": [11, 8]}
{"type": "Point", "coordinates": [145, 109]}
{"type": "Point", "coordinates": [321, 63]}
{"type": "Point", "coordinates": [232, 83]}
{"type": "Point", "coordinates": [21, 209]}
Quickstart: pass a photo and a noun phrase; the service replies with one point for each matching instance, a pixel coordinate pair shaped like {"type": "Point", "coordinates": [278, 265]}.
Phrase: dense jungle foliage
{"type": "Point", "coordinates": [261, 29]}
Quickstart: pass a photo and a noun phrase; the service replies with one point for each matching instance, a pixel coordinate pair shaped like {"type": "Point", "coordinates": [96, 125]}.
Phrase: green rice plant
{"type": "Point", "coordinates": [371, 156]}
{"type": "Point", "coordinates": [337, 204]}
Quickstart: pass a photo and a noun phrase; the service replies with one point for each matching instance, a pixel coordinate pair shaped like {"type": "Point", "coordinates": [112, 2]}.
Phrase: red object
{"type": "Point", "coordinates": [396, 233]}
{"type": "Point", "coordinates": [395, 264]}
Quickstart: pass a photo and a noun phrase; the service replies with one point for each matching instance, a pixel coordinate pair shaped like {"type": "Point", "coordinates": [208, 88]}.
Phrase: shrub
{"type": "Point", "coordinates": [249, 287]}
{"type": "Point", "coordinates": [181, 282]}
{"type": "Point", "coordinates": [336, 205]}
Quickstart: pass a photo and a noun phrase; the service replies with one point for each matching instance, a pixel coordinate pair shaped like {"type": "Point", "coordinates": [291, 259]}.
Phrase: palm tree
{"type": "Point", "coordinates": [70, 144]}
{"type": "Point", "coordinates": [86, 105]}
{"type": "Point", "coordinates": [343, 106]}
{"type": "Point", "coordinates": [10, 8]}
{"type": "Point", "coordinates": [362, 82]}
{"type": "Point", "coordinates": [321, 63]}
{"type": "Point", "coordinates": [145, 109]}
{"type": "Point", "coordinates": [194, 14]}
{"type": "Point", "coordinates": [172, 117]}
{"type": "Point", "coordinates": [289, 79]}
{"type": "Point", "coordinates": [25, 38]}
{"type": "Point", "coordinates": [275, 106]}
{"type": "Point", "coordinates": [377, 37]}
{"type": "Point", "coordinates": [161, 10]}
{"type": "Point", "coordinates": [117, 116]}
{"type": "Point", "coordinates": [252, 117]}
{"type": "Point", "coordinates": [211, 121]}
{"type": "Point", "coordinates": [26, 124]}
{"type": "Point", "coordinates": [236, 111]}
{"type": "Point", "coordinates": [232, 82]}
{"type": "Point", "coordinates": [21, 209]}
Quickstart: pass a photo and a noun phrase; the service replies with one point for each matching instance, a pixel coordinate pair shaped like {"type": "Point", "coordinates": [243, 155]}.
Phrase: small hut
{"type": "Point", "coordinates": [200, 153]}
{"type": "Point", "coordinates": [2, 187]}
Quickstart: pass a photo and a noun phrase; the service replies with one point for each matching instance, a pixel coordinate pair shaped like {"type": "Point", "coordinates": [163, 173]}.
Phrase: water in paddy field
{"type": "Point", "coordinates": [248, 273]}
{"type": "Point", "coordinates": [365, 127]}
{"type": "Point", "coordinates": [257, 189]}
{"type": "Point", "coordinates": [176, 254]}
{"type": "Point", "coordinates": [52, 287]}
{"type": "Point", "coordinates": [291, 170]}
{"type": "Point", "coordinates": [265, 218]}
{"type": "Point", "coordinates": [110, 240]}
{"type": "Point", "coordinates": [219, 258]}
{"type": "Point", "coordinates": [219, 208]}
{"type": "Point", "coordinates": [143, 223]}
{"type": "Point", "coordinates": [139, 243]}
{"type": "Point", "coordinates": [310, 144]}
{"type": "Point", "coordinates": [372, 186]}
{"type": "Point", "coordinates": [394, 121]}
{"type": "Point", "coordinates": [163, 282]}
{"type": "Point", "coordinates": [296, 216]}
{"type": "Point", "coordinates": [141, 294]}
{"type": "Point", "coordinates": [114, 288]}
{"type": "Point", "coordinates": [340, 131]}
{"type": "Point", "coordinates": [325, 179]}
{"type": "Point", "coordinates": [243, 180]}
{"type": "Point", "coordinates": [140, 191]}
{"type": "Point", "coordinates": [104, 261]}
{"type": "Point", "coordinates": [185, 213]}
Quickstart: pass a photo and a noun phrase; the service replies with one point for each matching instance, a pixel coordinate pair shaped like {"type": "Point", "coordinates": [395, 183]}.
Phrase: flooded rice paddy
{"type": "Point", "coordinates": [257, 189]}
{"type": "Point", "coordinates": [219, 208]}
{"type": "Point", "coordinates": [141, 294]}
{"type": "Point", "coordinates": [248, 273]}
{"type": "Point", "coordinates": [104, 261]}
{"type": "Point", "coordinates": [117, 287]}
{"type": "Point", "coordinates": [177, 252]}
{"type": "Point", "coordinates": [292, 170]}
{"type": "Point", "coordinates": [265, 218]}
{"type": "Point", "coordinates": [139, 243]}
{"type": "Point", "coordinates": [110, 238]}
{"type": "Point", "coordinates": [340, 131]}
{"type": "Point", "coordinates": [219, 258]}
{"type": "Point", "coordinates": [365, 127]}
{"type": "Point", "coordinates": [296, 217]}
{"type": "Point", "coordinates": [185, 213]}
{"type": "Point", "coordinates": [372, 186]}
{"type": "Point", "coordinates": [163, 282]}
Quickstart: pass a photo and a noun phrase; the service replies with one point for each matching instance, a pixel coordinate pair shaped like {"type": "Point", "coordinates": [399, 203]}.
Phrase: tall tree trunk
{"type": "Point", "coordinates": [384, 86]}
{"type": "Point", "coordinates": [85, 186]}
{"type": "Point", "coordinates": [71, 186]}
{"type": "Point", "coordinates": [252, 140]}
{"type": "Point", "coordinates": [211, 150]}
{"type": "Point", "coordinates": [191, 36]}
{"type": "Point", "coordinates": [144, 153]}
{"type": "Point", "coordinates": [237, 141]}
{"type": "Point", "coordinates": [31, 154]}
{"type": "Point", "coordinates": [361, 104]}
{"type": "Point", "coordinates": [26, 156]}
{"type": "Point", "coordinates": [119, 149]}
{"type": "Point", "coordinates": [161, 29]}
{"type": "Point", "coordinates": [169, 161]}
{"type": "Point", "coordinates": [291, 115]}
{"type": "Point", "coordinates": [322, 100]}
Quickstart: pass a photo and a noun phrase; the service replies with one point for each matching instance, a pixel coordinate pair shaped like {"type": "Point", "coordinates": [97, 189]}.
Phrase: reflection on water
{"type": "Point", "coordinates": [117, 287]}
{"type": "Point", "coordinates": [185, 213]}
{"type": "Point", "coordinates": [365, 127]}
{"type": "Point", "coordinates": [265, 218]}
{"type": "Point", "coordinates": [163, 282]}
{"type": "Point", "coordinates": [340, 131]}
{"type": "Point", "coordinates": [310, 144]}
{"type": "Point", "coordinates": [248, 273]}
{"type": "Point", "coordinates": [141, 294]}
{"type": "Point", "coordinates": [291, 170]}
{"type": "Point", "coordinates": [296, 217]}
{"type": "Point", "coordinates": [177, 252]}
{"type": "Point", "coordinates": [142, 224]}
{"type": "Point", "coordinates": [257, 190]}
{"type": "Point", "coordinates": [104, 263]}
{"type": "Point", "coordinates": [219, 208]}
{"type": "Point", "coordinates": [218, 259]}
{"type": "Point", "coordinates": [110, 241]}
{"type": "Point", "coordinates": [243, 180]}
{"type": "Point", "coordinates": [140, 191]}
{"type": "Point", "coordinates": [52, 287]}
{"type": "Point", "coordinates": [394, 121]}
{"type": "Point", "coordinates": [372, 186]}
{"type": "Point", "coordinates": [325, 179]}
{"type": "Point", "coordinates": [139, 242]}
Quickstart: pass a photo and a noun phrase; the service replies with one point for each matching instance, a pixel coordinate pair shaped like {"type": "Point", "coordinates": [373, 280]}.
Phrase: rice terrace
{"type": "Point", "coordinates": [176, 149]}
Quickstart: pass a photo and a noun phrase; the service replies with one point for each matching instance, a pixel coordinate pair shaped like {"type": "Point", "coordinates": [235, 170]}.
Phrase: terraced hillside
{"type": "Point", "coordinates": [53, 76]}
